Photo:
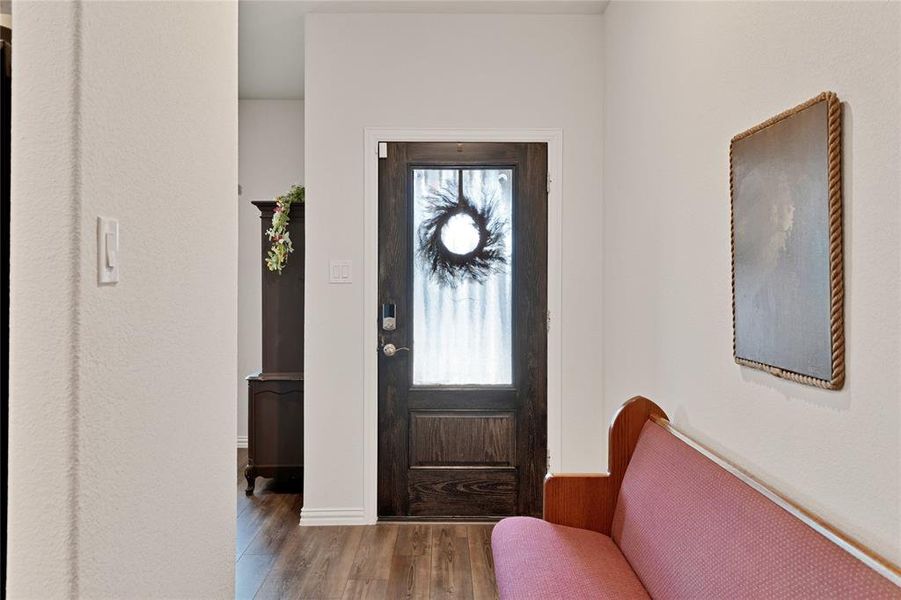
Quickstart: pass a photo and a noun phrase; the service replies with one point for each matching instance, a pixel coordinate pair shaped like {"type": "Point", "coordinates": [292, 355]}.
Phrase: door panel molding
{"type": "Point", "coordinates": [372, 136]}
{"type": "Point", "coordinates": [458, 487]}
{"type": "Point", "coordinates": [436, 432]}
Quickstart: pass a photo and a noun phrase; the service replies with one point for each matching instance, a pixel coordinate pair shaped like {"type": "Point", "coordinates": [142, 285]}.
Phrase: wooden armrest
{"type": "Point", "coordinates": [587, 501]}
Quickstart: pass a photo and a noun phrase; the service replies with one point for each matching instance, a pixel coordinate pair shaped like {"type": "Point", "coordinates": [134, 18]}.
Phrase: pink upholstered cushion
{"type": "Point", "coordinates": [536, 560]}
{"type": "Point", "coordinates": [690, 530]}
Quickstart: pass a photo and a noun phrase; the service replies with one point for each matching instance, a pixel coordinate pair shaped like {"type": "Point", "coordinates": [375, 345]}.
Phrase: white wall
{"type": "Point", "coordinates": [42, 374]}
{"type": "Point", "coordinates": [270, 160]}
{"type": "Point", "coordinates": [440, 71]}
{"type": "Point", "coordinates": [682, 79]}
{"type": "Point", "coordinates": [122, 425]}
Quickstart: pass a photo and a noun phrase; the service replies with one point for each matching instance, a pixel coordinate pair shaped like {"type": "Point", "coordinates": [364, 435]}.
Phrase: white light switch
{"type": "Point", "coordinates": [107, 250]}
{"type": "Point", "coordinates": [340, 271]}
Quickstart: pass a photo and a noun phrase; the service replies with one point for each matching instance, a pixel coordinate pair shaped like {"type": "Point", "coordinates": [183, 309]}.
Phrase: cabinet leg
{"type": "Point", "coordinates": [251, 478]}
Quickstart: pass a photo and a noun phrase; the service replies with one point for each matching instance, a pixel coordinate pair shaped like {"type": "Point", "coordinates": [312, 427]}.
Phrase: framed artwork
{"type": "Point", "coordinates": [787, 270]}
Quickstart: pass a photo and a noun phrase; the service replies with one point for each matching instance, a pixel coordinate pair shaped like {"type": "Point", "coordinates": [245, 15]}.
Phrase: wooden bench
{"type": "Point", "coordinates": [673, 520]}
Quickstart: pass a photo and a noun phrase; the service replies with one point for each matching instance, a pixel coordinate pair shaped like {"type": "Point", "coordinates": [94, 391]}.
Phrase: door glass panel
{"type": "Point", "coordinates": [462, 276]}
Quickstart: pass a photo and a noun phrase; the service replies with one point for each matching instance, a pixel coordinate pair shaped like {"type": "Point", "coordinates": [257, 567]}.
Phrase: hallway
{"type": "Point", "coordinates": [277, 558]}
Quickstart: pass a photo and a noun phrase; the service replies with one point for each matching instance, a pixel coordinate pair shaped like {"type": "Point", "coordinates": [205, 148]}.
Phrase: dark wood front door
{"type": "Point", "coordinates": [463, 364]}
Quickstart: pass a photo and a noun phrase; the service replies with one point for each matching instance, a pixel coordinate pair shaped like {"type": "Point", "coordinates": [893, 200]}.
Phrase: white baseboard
{"type": "Point", "coordinates": [332, 516]}
{"type": "Point", "coordinates": [242, 441]}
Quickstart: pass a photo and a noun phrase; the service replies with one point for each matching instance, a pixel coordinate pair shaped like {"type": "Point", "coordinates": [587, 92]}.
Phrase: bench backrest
{"type": "Point", "coordinates": [691, 529]}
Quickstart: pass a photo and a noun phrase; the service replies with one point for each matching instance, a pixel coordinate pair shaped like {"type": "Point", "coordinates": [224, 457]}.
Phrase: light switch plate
{"type": "Point", "coordinates": [107, 250]}
{"type": "Point", "coordinates": [340, 271]}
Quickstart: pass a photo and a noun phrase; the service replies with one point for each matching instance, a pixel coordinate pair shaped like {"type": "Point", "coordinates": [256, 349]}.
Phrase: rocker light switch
{"type": "Point", "coordinates": [112, 250]}
{"type": "Point", "coordinates": [339, 271]}
{"type": "Point", "coordinates": [107, 250]}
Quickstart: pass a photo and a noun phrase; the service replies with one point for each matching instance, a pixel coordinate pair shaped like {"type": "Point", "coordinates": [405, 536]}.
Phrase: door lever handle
{"type": "Point", "coordinates": [390, 349]}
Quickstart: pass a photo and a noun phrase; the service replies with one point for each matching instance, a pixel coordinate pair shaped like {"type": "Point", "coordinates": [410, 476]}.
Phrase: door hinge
{"type": "Point", "coordinates": [549, 186]}
{"type": "Point", "coordinates": [548, 467]}
{"type": "Point", "coordinates": [383, 150]}
{"type": "Point", "coordinates": [548, 321]}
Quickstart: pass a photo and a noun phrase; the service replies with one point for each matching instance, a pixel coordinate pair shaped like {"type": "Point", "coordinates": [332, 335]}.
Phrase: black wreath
{"type": "Point", "coordinates": [450, 268]}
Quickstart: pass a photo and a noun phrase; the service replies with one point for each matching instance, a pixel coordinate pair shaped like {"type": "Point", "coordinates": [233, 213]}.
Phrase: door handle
{"type": "Point", "coordinates": [390, 349]}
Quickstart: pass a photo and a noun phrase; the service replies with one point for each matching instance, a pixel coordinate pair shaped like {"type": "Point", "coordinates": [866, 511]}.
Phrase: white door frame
{"type": "Point", "coordinates": [374, 135]}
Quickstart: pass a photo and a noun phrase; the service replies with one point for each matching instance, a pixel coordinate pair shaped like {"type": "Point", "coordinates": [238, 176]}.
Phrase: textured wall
{"type": "Point", "coordinates": [122, 432]}
{"type": "Point", "coordinates": [440, 71]}
{"type": "Point", "coordinates": [682, 79]}
{"type": "Point", "coordinates": [270, 159]}
{"type": "Point", "coordinates": [44, 289]}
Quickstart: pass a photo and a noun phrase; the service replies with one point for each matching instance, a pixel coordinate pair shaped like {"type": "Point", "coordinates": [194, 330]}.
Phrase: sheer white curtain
{"type": "Point", "coordinates": [462, 335]}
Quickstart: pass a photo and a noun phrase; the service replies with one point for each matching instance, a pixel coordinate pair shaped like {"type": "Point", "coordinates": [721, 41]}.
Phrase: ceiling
{"type": "Point", "coordinates": [270, 33]}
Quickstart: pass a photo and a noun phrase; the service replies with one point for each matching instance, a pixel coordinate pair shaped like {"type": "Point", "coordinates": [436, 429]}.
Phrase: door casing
{"type": "Point", "coordinates": [372, 136]}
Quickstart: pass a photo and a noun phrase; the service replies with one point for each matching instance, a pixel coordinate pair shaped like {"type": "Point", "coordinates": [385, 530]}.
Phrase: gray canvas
{"type": "Point", "coordinates": [781, 219]}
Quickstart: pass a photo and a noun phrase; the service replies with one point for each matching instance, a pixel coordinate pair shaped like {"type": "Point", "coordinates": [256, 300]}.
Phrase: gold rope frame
{"type": "Point", "coordinates": [836, 261]}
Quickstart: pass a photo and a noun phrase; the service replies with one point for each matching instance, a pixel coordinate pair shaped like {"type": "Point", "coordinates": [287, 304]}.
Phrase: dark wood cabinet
{"type": "Point", "coordinates": [275, 395]}
{"type": "Point", "coordinates": [283, 297]}
{"type": "Point", "coordinates": [275, 426]}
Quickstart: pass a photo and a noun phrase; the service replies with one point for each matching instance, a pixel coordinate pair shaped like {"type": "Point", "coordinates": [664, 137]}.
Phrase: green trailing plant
{"type": "Point", "coordinates": [278, 233]}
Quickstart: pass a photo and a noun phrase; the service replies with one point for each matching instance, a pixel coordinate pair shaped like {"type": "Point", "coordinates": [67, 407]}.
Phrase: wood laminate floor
{"type": "Point", "coordinates": [276, 558]}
